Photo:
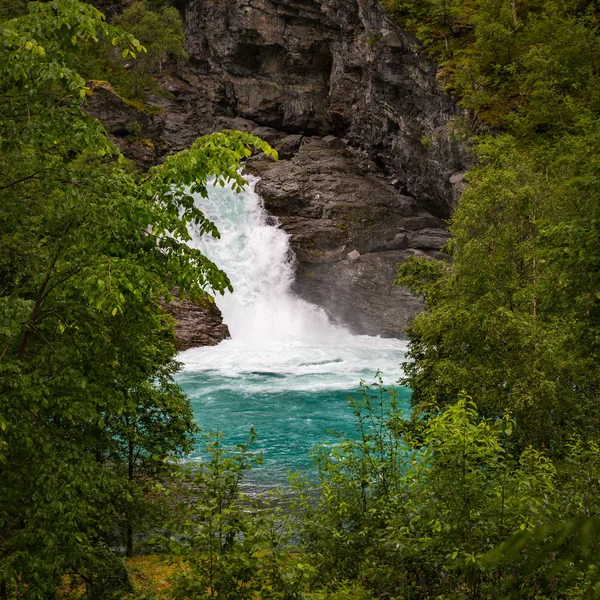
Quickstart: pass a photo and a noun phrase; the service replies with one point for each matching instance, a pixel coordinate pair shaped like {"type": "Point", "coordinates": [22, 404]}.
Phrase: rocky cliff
{"type": "Point", "coordinates": [349, 229]}
{"type": "Point", "coordinates": [371, 158]}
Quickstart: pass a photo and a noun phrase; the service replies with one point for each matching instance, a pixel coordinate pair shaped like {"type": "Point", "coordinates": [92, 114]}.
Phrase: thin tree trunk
{"type": "Point", "coordinates": [129, 547]}
{"type": "Point", "coordinates": [514, 13]}
{"type": "Point", "coordinates": [129, 544]}
{"type": "Point", "coordinates": [535, 302]}
{"type": "Point", "coordinates": [35, 313]}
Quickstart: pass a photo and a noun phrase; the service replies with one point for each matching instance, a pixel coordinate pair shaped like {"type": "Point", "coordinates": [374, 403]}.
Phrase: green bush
{"type": "Point", "coordinates": [230, 545]}
{"type": "Point", "coordinates": [411, 508]}
{"type": "Point", "coordinates": [107, 578]}
{"type": "Point", "coordinates": [160, 31]}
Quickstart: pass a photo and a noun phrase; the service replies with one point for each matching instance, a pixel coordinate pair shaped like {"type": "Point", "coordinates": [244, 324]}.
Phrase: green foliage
{"type": "Point", "coordinates": [344, 591]}
{"type": "Point", "coordinates": [160, 31]}
{"type": "Point", "coordinates": [513, 320]}
{"type": "Point", "coordinates": [530, 65]}
{"type": "Point", "coordinates": [418, 509]}
{"type": "Point", "coordinates": [229, 545]}
{"type": "Point", "coordinates": [219, 539]}
{"type": "Point", "coordinates": [89, 407]}
{"type": "Point", "coordinates": [355, 480]}
{"type": "Point", "coordinates": [107, 578]}
{"type": "Point", "coordinates": [567, 551]}
{"type": "Point", "coordinates": [12, 8]}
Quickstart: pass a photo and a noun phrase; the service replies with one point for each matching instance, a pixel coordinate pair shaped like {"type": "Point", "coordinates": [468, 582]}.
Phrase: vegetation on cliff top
{"type": "Point", "coordinates": [530, 66]}
{"type": "Point", "coordinates": [159, 29]}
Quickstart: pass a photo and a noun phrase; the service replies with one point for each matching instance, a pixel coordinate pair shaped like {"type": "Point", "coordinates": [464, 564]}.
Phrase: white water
{"type": "Point", "coordinates": [287, 371]}
{"type": "Point", "coordinates": [273, 332]}
{"type": "Point", "coordinates": [256, 256]}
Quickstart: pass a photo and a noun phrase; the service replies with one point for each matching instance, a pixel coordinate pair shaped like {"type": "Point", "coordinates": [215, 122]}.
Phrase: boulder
{"type": "Point", "coordinates": [198, 323]}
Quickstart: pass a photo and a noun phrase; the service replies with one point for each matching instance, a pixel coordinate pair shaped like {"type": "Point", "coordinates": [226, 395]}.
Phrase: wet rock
{"type": "Point", "coordinates": [269, 135]}
{"type": "Point", "coordinates": [428, 239]}
{"type": "Point", "coordinates": [198, 323]}
{"type": "Point", "coordinates": [331, 68]}
{"type": "Point", "coordinates": [363, 294]}
{"type": "Point", "coordinates": [333, 142]}
{"type": "Point", "coordinates": [349, 230]}
{"type": "Point", "coordinates": [136, 130]}
{"type": "Point", "coordinates": [457, 180]}
{"type": "Point", "coordinates": [288, 146]}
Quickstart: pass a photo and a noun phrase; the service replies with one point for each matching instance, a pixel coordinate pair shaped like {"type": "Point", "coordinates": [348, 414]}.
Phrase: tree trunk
{"type": "Point", "coordinates": [130, 461]}
{"type": "Point", "coordinates": [129, 546]}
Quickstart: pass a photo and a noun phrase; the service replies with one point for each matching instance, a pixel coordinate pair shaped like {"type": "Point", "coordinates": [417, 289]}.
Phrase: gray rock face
{"type": "Point", "coordinates": [321, 67]}
{"type": "Point", "coordinates": [371, 160]}
{"type": "Point", "coordinates": [137, 132]}
{"type": "Point", "coordinates": [349, 229]}
{"type": "Point", "coordinates": [315, 67]}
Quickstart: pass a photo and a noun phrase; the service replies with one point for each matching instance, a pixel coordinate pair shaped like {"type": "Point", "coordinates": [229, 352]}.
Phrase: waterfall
{"type": "Point", "coordinates": [256, 256]}
{"type": "Point", "coordinates": [287, 370]}
{"type": "Point", "coordinates": [272, 330]}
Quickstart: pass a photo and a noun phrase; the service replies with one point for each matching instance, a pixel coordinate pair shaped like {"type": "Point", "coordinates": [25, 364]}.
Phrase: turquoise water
{"type": "Point", "coordinates": [291, 401]}
{"type": "Point", "coordinates": [287, 369]}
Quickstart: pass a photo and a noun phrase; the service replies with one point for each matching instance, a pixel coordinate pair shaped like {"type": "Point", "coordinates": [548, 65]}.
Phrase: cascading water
{"type": "Point", "coordinates": [255, 254]}
{"type": "Point", "coordinates": [287, 369]}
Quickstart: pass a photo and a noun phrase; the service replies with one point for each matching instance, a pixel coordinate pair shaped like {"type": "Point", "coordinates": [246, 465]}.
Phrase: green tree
{"type": "Point", "coordinates": [433, 507]}
{"type": "Point", "coordinates": [159, 27]}
{"type": "Point", "coordinates": [529, 65]}
{"type": "Point", "coordinates": [161, 33]}
{"type": "Point", "coordinates": [86, 249]}
{"type": "Point", "coordinates": [230, 545]}
{"type": "Point", "coordinates": [156, 421]}
{"type": "Point", "coordinates": [219, 540]}
{"type": "Point", "coordinates": [513, 319]}
{"type": "Point", "coordinates": [355, 482]}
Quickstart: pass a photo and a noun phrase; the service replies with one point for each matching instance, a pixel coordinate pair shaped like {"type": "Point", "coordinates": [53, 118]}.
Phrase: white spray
{"type": "Point", "coordinates": [256, 256]}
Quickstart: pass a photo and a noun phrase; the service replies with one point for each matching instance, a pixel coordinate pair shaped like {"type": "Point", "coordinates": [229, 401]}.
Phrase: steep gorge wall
{"type": "Point", "coordinates": [321, 67]}
{"type": "Point", "coordinates": [371, 163]}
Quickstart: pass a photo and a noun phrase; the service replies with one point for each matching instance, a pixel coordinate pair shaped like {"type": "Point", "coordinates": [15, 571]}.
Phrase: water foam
{"type": "Point", "coordinates": [256, 256]}
{"type": "Point", "coordinates": [287, 370]}
{"type": "Point", "coordinates": [296, 366]}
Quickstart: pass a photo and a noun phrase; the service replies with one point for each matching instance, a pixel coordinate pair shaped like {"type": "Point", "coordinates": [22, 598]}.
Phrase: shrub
{"type": "Point", "coordinates": [410, 508]}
